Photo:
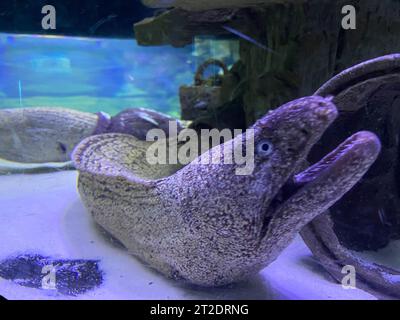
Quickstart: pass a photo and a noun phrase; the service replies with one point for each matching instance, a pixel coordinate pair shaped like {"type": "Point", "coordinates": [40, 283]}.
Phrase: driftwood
{"type": "Point", "coordinates": [178, 27]}
{"type": "Point", "coordinates": [201, 5]}
{"type": "Point", "coordinates": [308, 42]}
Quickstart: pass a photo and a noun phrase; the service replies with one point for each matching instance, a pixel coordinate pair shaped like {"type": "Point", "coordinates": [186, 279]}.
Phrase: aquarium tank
{"type": "Point", "coordinates": [225, 151]}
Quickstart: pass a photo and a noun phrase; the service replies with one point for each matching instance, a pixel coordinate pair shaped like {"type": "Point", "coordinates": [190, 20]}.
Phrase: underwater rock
{"type": "Point", "coordinates": [367, 218]}
{"type": "Point", "coordinates": [40, 135]}
{"type": "Point", "coordinates": [210, 224]}
{"type": "Point", "coordinates": [71, 277]}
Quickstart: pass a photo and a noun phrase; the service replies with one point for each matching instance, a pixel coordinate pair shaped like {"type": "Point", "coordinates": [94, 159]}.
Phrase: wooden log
{"type": "Point", "coordinates": [178, 27]}
{"type": "Point", "coordinates": [310, 47]}
{"type": "Point", "coordinates": [201, 5]}
{"type": "Point", "coordinates": [307, 39]}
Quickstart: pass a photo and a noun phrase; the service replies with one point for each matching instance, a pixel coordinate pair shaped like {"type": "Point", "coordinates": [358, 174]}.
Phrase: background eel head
{"type": "Point", "coordinates": [38, 135]}
{"type": "Point", "coordinates": [35, 135]}
{"type": "Point", "coordinates": [138, 121]}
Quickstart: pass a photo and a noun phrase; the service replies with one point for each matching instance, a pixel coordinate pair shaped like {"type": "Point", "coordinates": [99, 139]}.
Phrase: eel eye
{"type": "Point", "coordinates": [264, 148]}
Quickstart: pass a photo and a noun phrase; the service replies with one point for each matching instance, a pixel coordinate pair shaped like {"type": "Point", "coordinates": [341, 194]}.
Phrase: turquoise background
{"type": "Point", "coordinates": [99, 74]}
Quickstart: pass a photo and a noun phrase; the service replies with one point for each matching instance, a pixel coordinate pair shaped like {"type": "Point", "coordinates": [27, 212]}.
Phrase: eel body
{"type": "Point", "coordinates": [206, 224]}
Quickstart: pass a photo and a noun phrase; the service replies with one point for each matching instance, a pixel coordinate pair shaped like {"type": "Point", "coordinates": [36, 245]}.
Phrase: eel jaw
{"type": "Point", "coordinates": [357, 153]}
{"type": "Point", "coordinates": [317, 188]}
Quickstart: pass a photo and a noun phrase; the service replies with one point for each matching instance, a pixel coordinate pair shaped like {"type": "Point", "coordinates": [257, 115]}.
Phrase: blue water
{"type": "Point", "coordinates": [91, 74]}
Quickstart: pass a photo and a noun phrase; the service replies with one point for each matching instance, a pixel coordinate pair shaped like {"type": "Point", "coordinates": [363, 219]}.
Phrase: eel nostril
{"type": "Point", "coordinates": [304, 132]}
{"type": "Point", "coordinates": [62, 147]}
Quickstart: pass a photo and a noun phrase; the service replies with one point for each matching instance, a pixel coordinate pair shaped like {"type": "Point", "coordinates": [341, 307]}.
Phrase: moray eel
{"type": "Point", "coordinates": [206, 225]}
{"type": "Point", "coordinates": [33, 139]}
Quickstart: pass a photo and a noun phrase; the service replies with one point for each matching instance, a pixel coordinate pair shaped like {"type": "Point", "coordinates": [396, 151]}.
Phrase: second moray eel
{"type": "Point", "coordinates": [42, 139]}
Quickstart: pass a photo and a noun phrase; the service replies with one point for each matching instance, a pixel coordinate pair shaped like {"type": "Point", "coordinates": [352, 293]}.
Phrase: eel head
{"type": "Point", "coordinates": [298, 194]}
{"type": "Point", "coordinates": [253, 217]}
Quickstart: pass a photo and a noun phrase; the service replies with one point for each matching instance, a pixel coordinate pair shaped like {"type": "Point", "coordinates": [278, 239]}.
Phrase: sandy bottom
{"type": "Point", "coordinates": [42, 213]}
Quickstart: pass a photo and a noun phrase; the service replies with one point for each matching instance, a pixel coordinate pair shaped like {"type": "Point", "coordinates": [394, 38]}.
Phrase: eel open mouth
{"type": "Point", "coordinates": [366, 219]}
{"type": "Point", "coordinates": [344, 166]}
{"type": "Point", "coordinates": [359, 144]}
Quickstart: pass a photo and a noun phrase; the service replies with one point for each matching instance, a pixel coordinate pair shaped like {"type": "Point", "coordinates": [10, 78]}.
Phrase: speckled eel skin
{"type": "Point", "coordinates": [44, 134]}
{"type": "Point", "coordinates": [203, 223]}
